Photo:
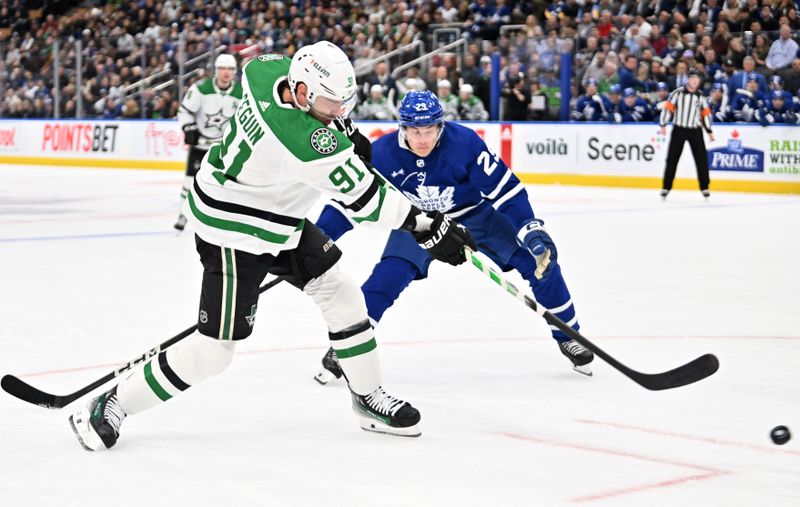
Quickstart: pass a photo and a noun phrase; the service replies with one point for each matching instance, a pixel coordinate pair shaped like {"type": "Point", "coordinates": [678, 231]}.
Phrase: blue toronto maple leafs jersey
{"type": "Point", "coordinates": [459, 177]}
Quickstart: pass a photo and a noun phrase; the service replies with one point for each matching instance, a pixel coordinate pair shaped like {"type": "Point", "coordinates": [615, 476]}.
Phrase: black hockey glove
{"type": "Point", "coordinates": [361, 144]}
{"type": "Point", "coordinates": [445, 239]}
{"type": "Point", "coordinates": [191, 134]}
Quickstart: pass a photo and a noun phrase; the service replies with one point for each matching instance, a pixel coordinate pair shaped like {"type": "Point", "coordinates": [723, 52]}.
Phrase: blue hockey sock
{"type": "Point", "coordinates": [389, 278]}
{"type": "Point", "coordinates": [551, 291]}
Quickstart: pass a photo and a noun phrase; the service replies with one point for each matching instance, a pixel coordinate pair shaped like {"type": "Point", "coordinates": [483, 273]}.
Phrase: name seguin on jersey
{"type": "Point", "coordinates": [248, 121]}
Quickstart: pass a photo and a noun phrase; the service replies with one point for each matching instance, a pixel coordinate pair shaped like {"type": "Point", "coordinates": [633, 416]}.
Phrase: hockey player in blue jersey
{"type": "Point", "coordinates": [776, 84]}
{"type": "Point", "coordinates": [747, 101]}
{"type": "Point", "coordinates": [718, 103]}
{"type": "Point", "coordinates": [633, 108]}
{"type": "Point", "coordinates": [614, 101]}
{"type": "Point", "coordinates": [443, 166]}
{"type": "Point", "coordinates": [776, 110]}
{"type": "Point", "coordinates": [591, 106]}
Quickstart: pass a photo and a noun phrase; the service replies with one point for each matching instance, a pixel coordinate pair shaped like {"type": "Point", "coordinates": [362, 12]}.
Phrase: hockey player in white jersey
{"type": "Point", "coordinates": [204, 113]}
{"type": "Point", "coordinates": [248, 206]}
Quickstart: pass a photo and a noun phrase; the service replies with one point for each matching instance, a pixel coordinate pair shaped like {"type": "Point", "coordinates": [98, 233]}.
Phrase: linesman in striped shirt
{"type": "Point", "coordinates": [689, 111]}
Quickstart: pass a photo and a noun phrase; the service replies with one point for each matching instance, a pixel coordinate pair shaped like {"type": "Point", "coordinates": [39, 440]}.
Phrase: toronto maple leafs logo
{"type": "Point", "coordinates": [431, 198]}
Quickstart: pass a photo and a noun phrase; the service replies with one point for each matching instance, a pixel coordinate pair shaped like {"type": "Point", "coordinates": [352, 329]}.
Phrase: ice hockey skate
{"type": "Point", "coordinates": [97, 424]}
{"type": "Point", "coordinates": [330, 368]}
{"type": "Point", "coordinates": [579, 356]}
{"type": "Point", "coordinates": [382, 413]}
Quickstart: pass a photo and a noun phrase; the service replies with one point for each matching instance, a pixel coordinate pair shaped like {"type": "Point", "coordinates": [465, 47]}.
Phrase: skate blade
{"type": "Point", "coordinates": [78, 434]}
{"type": "Point", "coordinates": [324, 376]}
{"type": "Point", "coordinates": [583, 370]}
{"type": "Point", "coordinates": [368, 424]}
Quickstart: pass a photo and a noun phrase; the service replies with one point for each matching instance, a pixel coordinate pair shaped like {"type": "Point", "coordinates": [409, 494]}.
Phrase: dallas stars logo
{"type": "Point", "coordinates": [216, 120]}
{"type": "Point", "coordinates": [323, 141]}
{"type": "Point", "coordinates": [251, 319]}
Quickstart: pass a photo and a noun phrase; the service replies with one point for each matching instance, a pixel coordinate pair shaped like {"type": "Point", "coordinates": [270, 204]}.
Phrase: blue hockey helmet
{"type": "Point", "coordinates": [752, 77]}
{"type": "Point", "coordinates": [661, 86]}
{"type": "Point", "coordinates": [615, 89]}
{"type": "Point", "coordinates": [591, 81]}
{"type": "Point", "coordinates": [420, 109]}
{"type": "Point", "coordinates": [718, 86]}
{"type": "Point", "coordinates": [776, 81]}
{"type": "Point", "coordinates": [629, 92]}
{"type": "Point", "coordinates": [776, 94]}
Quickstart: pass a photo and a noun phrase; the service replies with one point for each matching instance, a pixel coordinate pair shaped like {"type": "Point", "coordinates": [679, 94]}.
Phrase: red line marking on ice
{"type": "Point", "coordinates": [687, 436]}
{"type": "Point", "coordinates": [708, 472]}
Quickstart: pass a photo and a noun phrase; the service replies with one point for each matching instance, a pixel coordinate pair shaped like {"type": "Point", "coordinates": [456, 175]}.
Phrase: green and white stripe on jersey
{"type": "Point", "coordinates": [217, 215]}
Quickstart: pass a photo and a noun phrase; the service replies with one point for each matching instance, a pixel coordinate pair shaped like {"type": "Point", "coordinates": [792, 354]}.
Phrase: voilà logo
{"type": "Point", "coordinates": [736, 157]}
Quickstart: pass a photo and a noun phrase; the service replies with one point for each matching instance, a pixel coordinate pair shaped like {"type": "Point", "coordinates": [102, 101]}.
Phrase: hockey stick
{"type": "Point", "coordinates": [26, 392]}
{"type": "Point", "coordinates": [698, 369]}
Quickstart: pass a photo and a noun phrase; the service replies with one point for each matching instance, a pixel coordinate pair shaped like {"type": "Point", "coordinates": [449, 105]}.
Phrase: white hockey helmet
{"type": "Point", "coordinates": [224, 61]}
{"type": "Point", "coordinates": [466, 88]}
{"type": "Point", "coordinates": [329, 76]}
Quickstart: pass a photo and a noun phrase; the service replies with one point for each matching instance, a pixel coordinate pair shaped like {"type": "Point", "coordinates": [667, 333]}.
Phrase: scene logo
{"type": "Point", "coordinates": [736, 157]}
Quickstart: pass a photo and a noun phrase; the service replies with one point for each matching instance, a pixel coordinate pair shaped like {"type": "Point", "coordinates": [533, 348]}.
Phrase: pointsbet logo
{"type": "Point", "coordinates": [79, 137]}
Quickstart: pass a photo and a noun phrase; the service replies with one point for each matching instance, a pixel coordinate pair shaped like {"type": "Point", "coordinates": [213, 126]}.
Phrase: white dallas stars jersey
{"type": "Point", "coordinates": [253, 190]}
{"type": "Point", "coordinates": [210, 108]}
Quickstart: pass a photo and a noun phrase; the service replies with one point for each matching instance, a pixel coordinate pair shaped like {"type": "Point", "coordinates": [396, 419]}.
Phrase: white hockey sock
{"type": "Point", "coordinates": [195, 358]}
{"type": "Point", "coordinates": [345, 312]}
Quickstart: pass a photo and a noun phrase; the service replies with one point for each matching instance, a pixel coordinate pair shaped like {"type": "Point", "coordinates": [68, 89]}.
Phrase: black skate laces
{"type": "Point", "coordinates": [381, 402]}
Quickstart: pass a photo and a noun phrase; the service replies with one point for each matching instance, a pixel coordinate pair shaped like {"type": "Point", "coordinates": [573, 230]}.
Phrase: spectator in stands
{"type": "Point", "coordinates": [792, 82]}
{"type": "Point", "coordinates": [596, 68]}
{"type": "Point", "coordinates": [739, 79]}
{"type": "Point", "coordinates": [383, 78]}
{"type": "Point", "coordinates": [783, 51]}
{"type": "Point", "coordinates": [610, 78]}
{"type": "Point", "coordinates": [518, 98]}
{"type": "Point", "coordinates": [760, 52]}
{"type": "Point", "coordinates": [376, 107]}
{"type": "Point", "coordinates": [681, 76]}
{"type": "Point", "coordinates": [448, 100]}
{"type": "Point", "coordinates": [627, 74]}
{"type": "Point", "coordinates": [470, 107]}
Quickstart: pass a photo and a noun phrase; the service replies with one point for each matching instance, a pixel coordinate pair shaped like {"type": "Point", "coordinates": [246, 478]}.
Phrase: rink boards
{"type": "Point", "coordinates": [743, 158]}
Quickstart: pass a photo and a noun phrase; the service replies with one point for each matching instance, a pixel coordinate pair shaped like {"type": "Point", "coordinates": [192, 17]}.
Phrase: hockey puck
{"type": "Point", "coordinates": [780, 435]}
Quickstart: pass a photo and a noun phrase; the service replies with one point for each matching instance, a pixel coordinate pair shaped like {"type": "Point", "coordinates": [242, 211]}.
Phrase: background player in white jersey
{"type": "Point", "coordinates": [204, 113]}
{"type": "Point", "coordinates": [248, 205]}
{"type": "Point", "coordinates": [446, 167]}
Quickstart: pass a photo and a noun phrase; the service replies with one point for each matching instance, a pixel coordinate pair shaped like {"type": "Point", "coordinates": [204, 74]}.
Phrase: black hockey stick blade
{"type": "Point", "coordinates": [689, 373]}
{"type": "Point", "coordinates": [26, 392]}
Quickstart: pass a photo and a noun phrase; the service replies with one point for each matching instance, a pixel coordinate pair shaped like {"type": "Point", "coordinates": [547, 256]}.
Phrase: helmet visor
{"type": "Point", "coordinates": [332, 109]}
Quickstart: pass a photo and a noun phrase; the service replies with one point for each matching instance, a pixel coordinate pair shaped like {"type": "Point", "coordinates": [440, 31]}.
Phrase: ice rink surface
{"type": "Point", "coordinates": [93, 274]}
